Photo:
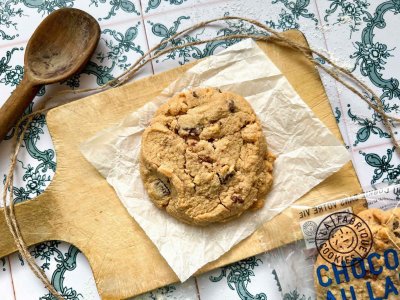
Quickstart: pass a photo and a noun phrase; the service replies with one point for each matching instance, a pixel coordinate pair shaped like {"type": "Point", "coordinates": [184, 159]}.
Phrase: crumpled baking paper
{"type": "Point", "coordinates": [307, 153]}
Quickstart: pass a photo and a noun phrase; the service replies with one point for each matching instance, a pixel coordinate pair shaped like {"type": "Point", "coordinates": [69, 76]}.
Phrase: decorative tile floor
{"type": "Point", "coordinates": [359, 34]}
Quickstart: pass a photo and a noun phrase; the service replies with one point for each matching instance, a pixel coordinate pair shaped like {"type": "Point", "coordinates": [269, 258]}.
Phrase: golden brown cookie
{"type": "Point", "coordinates": [377, 276]}
{"type": "Point", "coordinates": [204, 157]}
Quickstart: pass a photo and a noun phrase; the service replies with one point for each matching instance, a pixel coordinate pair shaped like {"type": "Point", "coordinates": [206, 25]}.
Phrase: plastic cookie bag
{"type": "Point", "coordinates": [349, 250]}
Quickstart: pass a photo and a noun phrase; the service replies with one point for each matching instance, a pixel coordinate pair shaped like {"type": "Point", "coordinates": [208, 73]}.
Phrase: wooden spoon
{"type": "Point", "coordinates": [60, 47]}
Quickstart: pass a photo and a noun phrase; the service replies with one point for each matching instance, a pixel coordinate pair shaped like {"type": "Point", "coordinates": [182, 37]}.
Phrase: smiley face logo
{"type": "Point", "coordinates": [342, 237]}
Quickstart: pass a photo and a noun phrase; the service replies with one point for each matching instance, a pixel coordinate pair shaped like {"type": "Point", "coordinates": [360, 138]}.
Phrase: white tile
{"type": "Point", "coordinates": [22, 21]}
{"type": "Point", "coordinates": [151, 7]}
{"type": "Point", "coordinates": [293, 266]}
{"type": "Point", "coordinates": [363, 128]}
{"type": "Point", "coordinates": [11, 62]}
{"type": "Point", "coordinates": [179, 291]}
{"type": "Point", "coordinates": [66, 267]}
{"type": "Point", "coordinates": [35, 165]}
{"type": "Point", "coordinates": [338, 109]}
{"type": "Point", "coordinates": [344, 33]}
{"type": "Point", "coordinates": [376, 164]}
{"type": "Point", "coordinates": [160, 27]}
{"type": "Point", "coordinates": [26, 285]}
{"type": "Point", "coordinates": [110, 11]}
{"type": "Point", "coordinates": [6, 287]}
{"type": "Point", "coordinates": [251, 278]}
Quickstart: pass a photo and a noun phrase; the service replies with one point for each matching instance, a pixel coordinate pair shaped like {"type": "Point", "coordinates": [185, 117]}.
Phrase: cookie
{"type": "Point", "coordinates": [378, 272]}
{"type": "Point", "coordinates": [204, 157]}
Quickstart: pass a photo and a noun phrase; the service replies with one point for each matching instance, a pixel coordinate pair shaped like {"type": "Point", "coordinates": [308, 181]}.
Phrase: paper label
{"type": "Point", "coordinates": [309, 227]}
{"type": "Point", "coordinates": [384, 198]}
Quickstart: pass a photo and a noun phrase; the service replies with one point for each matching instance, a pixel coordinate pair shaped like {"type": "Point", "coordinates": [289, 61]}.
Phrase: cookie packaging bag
{"type": "Point", "coordinates": [349, 249]}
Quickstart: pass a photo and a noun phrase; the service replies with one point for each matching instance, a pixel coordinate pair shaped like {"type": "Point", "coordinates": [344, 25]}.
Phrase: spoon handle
{"type": "Point", "coordinates": [12, 110]}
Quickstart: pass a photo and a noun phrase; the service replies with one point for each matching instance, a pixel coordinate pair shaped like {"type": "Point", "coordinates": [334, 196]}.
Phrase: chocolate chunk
{"type": "Point", "coordinates": [176, 129]}
{"type": "Point", "coordinates": [397, 234]}
{"type": "Point", "coordinates": [237, 199]}
{"type": "Point", "coordinates": [195, 95]}
{"type": "Point", "coordinates": [161, 188]}
{"type": "Point", "coordinates": [224, 178]}
{"type": "Point", "coordinates": [395, 225]}
{"type": "Point", "coordinates": [193, 131]}
{"type": "Point", "coordinates": [219, 90]}
{"type": "Point", "coordinates": [206, 158]}
{"type": "Point", "coordinates": [231, 106]}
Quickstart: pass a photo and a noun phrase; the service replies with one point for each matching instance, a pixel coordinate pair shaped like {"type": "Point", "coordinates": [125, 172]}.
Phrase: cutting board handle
{"type": "Point", "coordinates": [34, 223]}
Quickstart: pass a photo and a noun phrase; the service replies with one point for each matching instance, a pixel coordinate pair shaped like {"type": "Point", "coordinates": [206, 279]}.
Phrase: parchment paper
{"type": "Point", "coordinates": [307, 153]}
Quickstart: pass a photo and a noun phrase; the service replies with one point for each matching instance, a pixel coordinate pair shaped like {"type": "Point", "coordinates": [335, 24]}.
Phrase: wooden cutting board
{"type": "Point", "coordinates": [80, 207]}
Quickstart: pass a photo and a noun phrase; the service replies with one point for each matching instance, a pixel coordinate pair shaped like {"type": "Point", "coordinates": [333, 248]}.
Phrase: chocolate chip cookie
{"type": "Point", "coordinates": [376, 276]}
{"type": "Point", "coordinates": [204, 157]}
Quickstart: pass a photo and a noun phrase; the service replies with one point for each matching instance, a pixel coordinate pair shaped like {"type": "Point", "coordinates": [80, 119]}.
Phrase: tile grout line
{"type": "Point", "coordinates": [357, 163]}
{"type": "Point", "coordinates": [121, 22]}
{"type": "Point", "coordinates": [197, 288]}
{"type": "Point", "coordinates": [180, 8]}
{"type": "Point", "coordinates": [346, 126]}
{"type": "Point", "coordinates": [23, 42]}
{"type": "Point", "coordinates": [358, 148]}
{"type": "Point", "coordinates": [145, 34]}
{"type": "Point", "coordinates": [336, 89]}
{"type": "Point", "coordinates": [15, 44]}
{"type": "Point", "coordinates": [12, 278]}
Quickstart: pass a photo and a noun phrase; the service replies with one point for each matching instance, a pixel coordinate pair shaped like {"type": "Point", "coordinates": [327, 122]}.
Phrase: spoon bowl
{"type": "Point", "coordinates": [59, 48]}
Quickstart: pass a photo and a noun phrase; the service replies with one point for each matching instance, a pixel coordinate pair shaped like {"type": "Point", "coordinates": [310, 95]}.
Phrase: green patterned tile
{"type": "Point", "coordinates": [6, 285]}
{"type": "Point", "coordinates": [358, 34]}
{"type": "Point", "coordinates": [62, 263]}
{"type": "Point", "coordinates": [111, 11]}
{"type": "Point", "coordinates": [163, 6]}
{"type": "Point", "coordinates": [250, 279]}
{"type": "Point", "coordinates": [186, 290]}
{"type": "Point", "coordinates": [376, 165]}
